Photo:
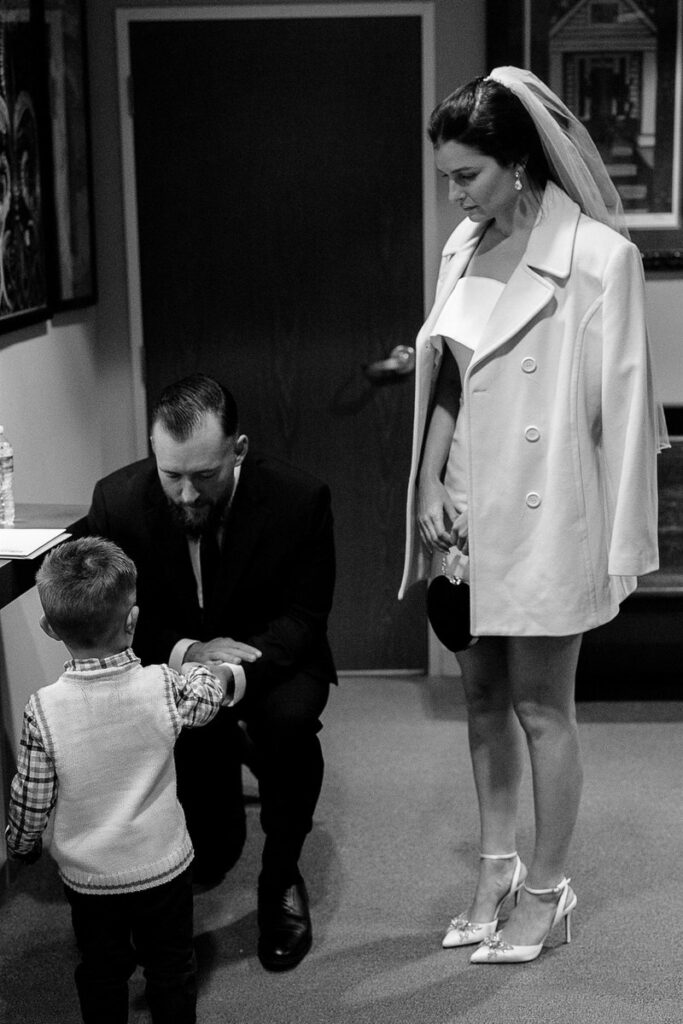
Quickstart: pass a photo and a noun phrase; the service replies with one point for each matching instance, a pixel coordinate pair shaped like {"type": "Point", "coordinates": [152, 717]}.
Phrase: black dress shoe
{"type": "Point", "coordinates": [285, 926]}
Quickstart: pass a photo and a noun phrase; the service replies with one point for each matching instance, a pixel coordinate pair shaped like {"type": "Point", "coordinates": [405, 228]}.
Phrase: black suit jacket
{"type": "Point", "coordinates": [276, 577]}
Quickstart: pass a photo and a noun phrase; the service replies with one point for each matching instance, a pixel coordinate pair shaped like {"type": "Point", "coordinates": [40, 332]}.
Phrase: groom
{"type": "Point", "coordinates": [235, 560]}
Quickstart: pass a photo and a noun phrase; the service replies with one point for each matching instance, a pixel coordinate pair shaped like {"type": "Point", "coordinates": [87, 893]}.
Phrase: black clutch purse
{"type": "Point", "coordinates": [448, 609]}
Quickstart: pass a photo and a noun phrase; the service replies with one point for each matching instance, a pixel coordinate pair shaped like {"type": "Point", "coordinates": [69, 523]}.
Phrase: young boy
{"type": "Point", "coordinates": [97, 749]}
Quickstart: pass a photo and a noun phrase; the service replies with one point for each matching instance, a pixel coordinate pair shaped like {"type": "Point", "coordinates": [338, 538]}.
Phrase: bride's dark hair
{"type": "Point", "coordinates": [487, 116]}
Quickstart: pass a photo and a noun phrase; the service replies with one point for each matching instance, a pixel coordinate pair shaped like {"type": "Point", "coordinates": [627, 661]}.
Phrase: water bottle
{"type": "Point", "coordinates": [6, 480]}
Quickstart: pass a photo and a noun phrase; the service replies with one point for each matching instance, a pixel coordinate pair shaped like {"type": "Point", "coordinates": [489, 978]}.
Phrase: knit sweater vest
{"type": "Point", "coordinates": [110, 728]}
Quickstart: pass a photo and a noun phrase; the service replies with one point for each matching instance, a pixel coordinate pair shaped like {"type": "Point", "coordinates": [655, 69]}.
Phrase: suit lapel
{"type": "Point", "coordinates": [171, 547]}
{"type": "Point", "coordinates": [246, 522]}
{"type": "Point", "coordinates": [247, 519]}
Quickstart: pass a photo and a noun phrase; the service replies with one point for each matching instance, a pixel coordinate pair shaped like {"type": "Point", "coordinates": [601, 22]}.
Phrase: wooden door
{"type": "Point", "coordinates": [279, 198]}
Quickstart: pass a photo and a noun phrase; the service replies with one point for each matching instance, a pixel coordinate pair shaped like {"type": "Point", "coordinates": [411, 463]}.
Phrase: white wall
{"type": "Point", "coordinates": [50, 408]}
{"type": "Point", "coordinates": [665, 318]}
{"type": "Point", "coordinates": [50, 388]}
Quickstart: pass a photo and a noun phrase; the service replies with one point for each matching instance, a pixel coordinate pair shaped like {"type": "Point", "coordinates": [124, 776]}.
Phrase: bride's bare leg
{"type": "Point", "coordinates": [542, 674]}
{"type": "Point", "coordinates": [496, 748]}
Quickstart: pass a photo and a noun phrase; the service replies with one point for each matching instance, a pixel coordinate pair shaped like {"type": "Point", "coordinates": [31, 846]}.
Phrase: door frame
{"type": "Point", "coordinates": [423, 9]}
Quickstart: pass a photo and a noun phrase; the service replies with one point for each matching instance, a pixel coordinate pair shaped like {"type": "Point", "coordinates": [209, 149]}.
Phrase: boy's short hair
{"type": "Point", "coordinates": [85, 587]}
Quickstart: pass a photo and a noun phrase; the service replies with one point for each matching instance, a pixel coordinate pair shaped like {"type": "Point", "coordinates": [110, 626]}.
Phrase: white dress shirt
{"type": "Point", "coordinates": [181, 648]}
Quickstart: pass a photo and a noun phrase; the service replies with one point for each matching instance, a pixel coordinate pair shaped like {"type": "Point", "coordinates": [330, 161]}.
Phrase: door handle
{"type": "Point", "coordinates": [399, 363]}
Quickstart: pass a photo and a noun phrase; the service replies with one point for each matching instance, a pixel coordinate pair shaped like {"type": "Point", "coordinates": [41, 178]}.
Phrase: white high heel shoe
{"type": "Point", "coordinates": [462, 932]}
{"type": "Point", "coordinates": [495, 950]}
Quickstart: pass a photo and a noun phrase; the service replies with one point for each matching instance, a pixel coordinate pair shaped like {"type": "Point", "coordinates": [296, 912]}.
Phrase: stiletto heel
{"type": "Point", "coordinates": [494, 949]}
{"type": "Point", "coordinates": [462, 932]}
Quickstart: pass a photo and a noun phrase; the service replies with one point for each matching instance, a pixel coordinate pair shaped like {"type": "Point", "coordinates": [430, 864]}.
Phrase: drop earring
{"type": "Point", "coordinates": [518, 181]}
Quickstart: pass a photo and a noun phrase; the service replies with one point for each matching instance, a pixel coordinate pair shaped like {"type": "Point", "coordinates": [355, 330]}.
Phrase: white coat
{"type": "Point", "coordinates": [563, 516]}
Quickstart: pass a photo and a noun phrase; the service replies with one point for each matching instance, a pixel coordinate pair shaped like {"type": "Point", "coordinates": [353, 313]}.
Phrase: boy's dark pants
{"type": "Point", "coordinates": [115, 933]}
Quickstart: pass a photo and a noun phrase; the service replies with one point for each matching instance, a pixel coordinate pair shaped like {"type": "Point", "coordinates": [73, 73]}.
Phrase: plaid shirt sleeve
{"type": "Point", "coordinates": [33, 793]}
{"type": "Point", "coordinates": [198, 695]}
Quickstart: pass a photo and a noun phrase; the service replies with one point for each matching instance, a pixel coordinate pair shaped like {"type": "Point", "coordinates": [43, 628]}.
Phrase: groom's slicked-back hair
{"type": "Point", "coordinates": [181, 406]}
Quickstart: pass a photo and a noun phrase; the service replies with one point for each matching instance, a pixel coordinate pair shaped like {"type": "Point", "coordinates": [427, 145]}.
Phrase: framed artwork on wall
{"type": "Point", "coordinates": [72, 255]}
{"type": "Point", "coordinates": [618, 65]}
{"type": "Point", "coordinates": [23, 269]}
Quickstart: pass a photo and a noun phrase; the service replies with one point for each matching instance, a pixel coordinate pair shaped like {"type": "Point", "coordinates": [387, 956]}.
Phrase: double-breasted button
{"type": "Point", "coordinates": [533, 499]}
{"type": "Point", "coordinates": [532, 433]}
{"type": "Point", "coordinates": [529, 364]}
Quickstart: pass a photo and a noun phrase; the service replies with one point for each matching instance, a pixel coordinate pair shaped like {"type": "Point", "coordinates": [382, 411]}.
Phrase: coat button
{"type": "Point", "coordinates": [532, 434]}
{"type": "Point", "coordinates": [533, 499]}
{"type": "Point", "coordinates": [529, 364]}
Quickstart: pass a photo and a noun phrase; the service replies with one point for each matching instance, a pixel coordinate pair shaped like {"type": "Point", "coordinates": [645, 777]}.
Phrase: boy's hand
{"type": "Point", "coordinates": [225, 677]}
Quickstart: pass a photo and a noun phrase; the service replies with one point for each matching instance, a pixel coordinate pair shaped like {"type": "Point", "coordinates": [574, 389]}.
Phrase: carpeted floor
{"type": "Point", "coordinates": [392, 858]}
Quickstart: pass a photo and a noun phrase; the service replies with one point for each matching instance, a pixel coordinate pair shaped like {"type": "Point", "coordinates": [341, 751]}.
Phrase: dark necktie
{"type": "Point", "coordinates": [209, 556]}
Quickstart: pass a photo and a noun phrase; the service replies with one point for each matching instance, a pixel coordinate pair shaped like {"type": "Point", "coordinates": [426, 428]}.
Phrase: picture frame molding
{"type": "Point", "coordinates": [73, 284]}
{"type": "Point", "coordinates": [25, 230]}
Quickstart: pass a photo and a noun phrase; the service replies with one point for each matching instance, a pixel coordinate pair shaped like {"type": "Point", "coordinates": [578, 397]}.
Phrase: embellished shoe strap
{"type": "Point", "coordinates": [560, 887]}
{"type": "Point", "coordinates": [498, 856]}
{"type": "Point", "coordinates": [564, 905]}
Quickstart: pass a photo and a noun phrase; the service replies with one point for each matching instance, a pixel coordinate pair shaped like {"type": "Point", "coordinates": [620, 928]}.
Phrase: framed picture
{"type": "Point", "coordinates": [618, 65]}
{"type": "Point", "coordinates": [73, 269]}
{"type": "Point", "coordinates": [23, 264]}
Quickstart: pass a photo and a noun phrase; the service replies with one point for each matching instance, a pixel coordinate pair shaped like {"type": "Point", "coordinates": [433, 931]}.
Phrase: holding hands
{"type": "Point", "coordinates": [214, 654]}
{"type": "Point", "coordinates": [222, 648]}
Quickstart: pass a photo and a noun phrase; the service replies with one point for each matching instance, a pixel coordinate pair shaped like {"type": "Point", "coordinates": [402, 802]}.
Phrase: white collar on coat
{"type": "Point", "coordinates": [551, 241]}
{"type": "Point", "coordinates": [546, 261]}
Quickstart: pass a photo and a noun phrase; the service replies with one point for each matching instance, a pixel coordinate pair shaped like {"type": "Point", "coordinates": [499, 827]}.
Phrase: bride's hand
{"type": "Point", "coordinates": [436, 515]}
{"type": "Point", "coordinates": [460, 531]}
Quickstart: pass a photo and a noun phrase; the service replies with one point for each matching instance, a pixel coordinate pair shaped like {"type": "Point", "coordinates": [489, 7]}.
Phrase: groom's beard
{"type": "Point", "coordinates": [194, 520]}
